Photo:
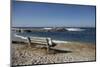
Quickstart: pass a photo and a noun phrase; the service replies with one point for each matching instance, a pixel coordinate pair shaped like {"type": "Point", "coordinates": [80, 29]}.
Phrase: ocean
{"type": "Point", "coordinates": [87, 35]}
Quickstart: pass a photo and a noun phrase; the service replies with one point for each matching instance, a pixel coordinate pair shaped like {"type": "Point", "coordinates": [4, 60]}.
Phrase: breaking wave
{"type": "Point", "coordinates": [75, 29]}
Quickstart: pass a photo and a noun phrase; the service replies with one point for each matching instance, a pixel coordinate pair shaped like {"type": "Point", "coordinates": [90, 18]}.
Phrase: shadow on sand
{"type": "Point", "coordinates": [52, 50]}
{"type": "Point", "coordinates": [55, 51]}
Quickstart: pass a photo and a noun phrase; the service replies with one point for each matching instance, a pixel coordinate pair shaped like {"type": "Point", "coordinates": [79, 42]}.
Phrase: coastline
{"type": "Point", "coordinates": [61, 53]}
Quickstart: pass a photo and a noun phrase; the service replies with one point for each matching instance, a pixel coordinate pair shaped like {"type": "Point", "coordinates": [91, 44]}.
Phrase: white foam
{"type": "Point", "coordinates": [47, 28]}
{"type": "Point", "coordinates": [74, 29]}
{"type": "Point", "coordinates": [58, 41]}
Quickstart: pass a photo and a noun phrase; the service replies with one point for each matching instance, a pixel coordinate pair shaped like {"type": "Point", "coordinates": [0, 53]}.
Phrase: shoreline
{"type": "Point", "coordinates": [61, 53]}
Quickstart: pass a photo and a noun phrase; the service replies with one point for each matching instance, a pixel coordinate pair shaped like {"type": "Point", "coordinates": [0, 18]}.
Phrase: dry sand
{"type": "Point", "coordinates": [21, 54]}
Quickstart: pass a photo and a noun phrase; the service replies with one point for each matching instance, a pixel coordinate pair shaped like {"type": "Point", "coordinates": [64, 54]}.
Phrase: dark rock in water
{"type": "Point", "coordinates": [28, 31]}
{"type": "Point", "coordinates": [59, 29]}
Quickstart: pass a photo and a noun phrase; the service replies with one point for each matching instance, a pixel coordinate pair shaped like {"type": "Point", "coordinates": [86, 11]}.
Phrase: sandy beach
{"type": "Point", "coordinates": [62, 53]}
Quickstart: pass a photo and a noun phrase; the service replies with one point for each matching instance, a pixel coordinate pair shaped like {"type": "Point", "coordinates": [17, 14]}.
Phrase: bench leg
{"type": "Point", "coordinates": [29, 41]}
{"type": "Point", "coordinates": [48, 47]}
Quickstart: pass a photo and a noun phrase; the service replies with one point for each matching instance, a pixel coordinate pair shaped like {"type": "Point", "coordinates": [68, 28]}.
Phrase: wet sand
{"type": "Point", "coordinates": [62, 53]}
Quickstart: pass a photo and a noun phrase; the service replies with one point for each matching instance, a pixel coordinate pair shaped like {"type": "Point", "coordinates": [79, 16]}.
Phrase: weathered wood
{"type": "Point", "coordinates": [49, 43]}
{"type": "Point", "coordinates": [20, 36]}
{"type": "Point", "coordinates": [29, 41]}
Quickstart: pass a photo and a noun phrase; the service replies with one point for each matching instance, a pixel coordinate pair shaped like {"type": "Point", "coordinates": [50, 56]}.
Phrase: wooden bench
{"type": "Point", "coordinates": [41, 40]}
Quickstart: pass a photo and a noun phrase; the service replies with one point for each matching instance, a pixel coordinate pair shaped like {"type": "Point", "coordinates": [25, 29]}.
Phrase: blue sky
{"type": "Point", "coordinates": [37, 14]}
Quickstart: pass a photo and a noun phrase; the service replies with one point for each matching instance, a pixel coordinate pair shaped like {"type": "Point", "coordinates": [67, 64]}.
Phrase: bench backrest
{"type": "Point", "coordinates": [41, 40]}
